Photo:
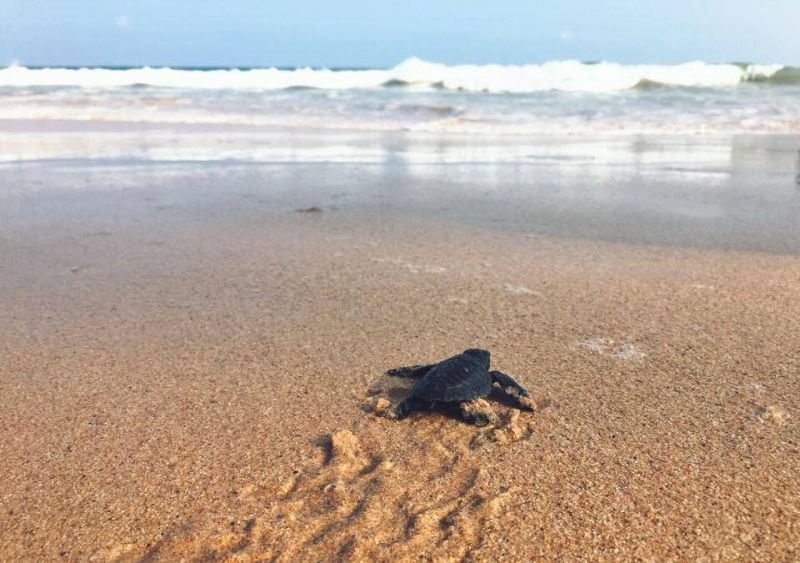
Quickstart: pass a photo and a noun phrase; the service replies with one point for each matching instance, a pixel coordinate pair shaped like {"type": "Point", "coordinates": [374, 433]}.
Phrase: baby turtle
{"type": "Point", "coordinates": [454, 382]}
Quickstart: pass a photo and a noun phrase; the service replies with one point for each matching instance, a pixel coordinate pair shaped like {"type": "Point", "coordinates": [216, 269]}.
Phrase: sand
{"type": "Point", "coordinates": [190, 368]}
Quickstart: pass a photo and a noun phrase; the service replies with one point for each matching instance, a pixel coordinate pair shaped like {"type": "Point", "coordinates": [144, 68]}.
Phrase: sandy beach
{"type": "Point", "coordinates": [189, 365]}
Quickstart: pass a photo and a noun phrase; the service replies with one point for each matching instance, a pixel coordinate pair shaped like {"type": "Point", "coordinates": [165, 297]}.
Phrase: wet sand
{"type": "Point", "coordinates": [188, 367]}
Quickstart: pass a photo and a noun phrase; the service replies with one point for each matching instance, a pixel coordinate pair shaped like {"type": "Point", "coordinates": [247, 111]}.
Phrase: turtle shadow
{"type": "Point", "coordinates": [497, 395]}
{"type": "Point", "coordinates": [395, 394]}
{"type": "Point", "coordinates": [325, 447]}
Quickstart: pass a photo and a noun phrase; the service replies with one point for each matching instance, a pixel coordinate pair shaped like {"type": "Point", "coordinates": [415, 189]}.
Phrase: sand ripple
{"type": "Point", "coordinates": [383, 489]}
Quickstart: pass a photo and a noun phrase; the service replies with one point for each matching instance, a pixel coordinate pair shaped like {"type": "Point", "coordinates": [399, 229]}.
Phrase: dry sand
{"type": "Point", "coordinates": [194, 377]}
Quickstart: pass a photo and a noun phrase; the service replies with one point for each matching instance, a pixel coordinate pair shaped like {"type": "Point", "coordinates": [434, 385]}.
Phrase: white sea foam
{"type": "Point", "coordinates": [572, 76]}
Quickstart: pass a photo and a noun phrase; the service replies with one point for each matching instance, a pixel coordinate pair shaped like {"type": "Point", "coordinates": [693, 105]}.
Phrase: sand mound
{"type": "Point", "coordinates": [774, 414]}
{"type": "Point", "coordinates": [480, 408]}
{"type": "Point", "coordinates": [511, 429]}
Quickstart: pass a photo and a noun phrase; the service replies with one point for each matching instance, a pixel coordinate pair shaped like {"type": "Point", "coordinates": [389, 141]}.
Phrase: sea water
{"type": "Point", "coordinates": [553, 98]}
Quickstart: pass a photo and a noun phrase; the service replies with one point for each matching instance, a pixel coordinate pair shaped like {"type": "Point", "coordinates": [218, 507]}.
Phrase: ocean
{"type": "Point", "coordinates": [553, 98]}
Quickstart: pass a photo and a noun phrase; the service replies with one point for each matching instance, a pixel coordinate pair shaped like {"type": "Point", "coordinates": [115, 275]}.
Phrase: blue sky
{"type": "Point", "coordinates": [383, 33]}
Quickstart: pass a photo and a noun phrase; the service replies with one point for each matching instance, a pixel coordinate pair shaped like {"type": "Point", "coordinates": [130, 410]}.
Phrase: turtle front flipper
{"type": "Point", "coordinates": [410, 371]}
{"type": "Point", "coordinates": [512, 388]}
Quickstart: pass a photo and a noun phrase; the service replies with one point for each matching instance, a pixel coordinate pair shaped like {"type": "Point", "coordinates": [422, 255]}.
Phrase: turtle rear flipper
{"type": "Point", "coordinates": [406, 407]}
{"type": "Point", "coordinates": [512, 388]}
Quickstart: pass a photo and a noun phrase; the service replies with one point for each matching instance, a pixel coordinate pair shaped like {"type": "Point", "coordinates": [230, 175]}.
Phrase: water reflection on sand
{"type": "Point", "coordinates": [700, 190]}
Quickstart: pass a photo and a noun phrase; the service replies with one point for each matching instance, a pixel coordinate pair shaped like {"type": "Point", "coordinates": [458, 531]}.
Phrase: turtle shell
{"type": "Point", "coordinates": [460, 378]}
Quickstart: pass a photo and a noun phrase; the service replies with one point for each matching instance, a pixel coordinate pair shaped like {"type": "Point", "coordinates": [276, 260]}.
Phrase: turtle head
{"type": "Point", "coordinates": [482, 356]}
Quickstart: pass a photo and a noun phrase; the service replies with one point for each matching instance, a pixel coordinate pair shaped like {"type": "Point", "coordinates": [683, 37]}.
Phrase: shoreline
{"type": "Point", "coordinates": [728, 194]}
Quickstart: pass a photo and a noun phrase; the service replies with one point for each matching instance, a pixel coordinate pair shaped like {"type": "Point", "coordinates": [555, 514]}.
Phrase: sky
{"type": "Point", "coordinates": [382, 33]}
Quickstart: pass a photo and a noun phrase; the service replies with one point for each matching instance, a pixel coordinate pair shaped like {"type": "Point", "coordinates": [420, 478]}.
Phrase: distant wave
{"type": "Point", "coordinates": [570, 76]}
{"type": "Point", "coordinates": [786, 76]}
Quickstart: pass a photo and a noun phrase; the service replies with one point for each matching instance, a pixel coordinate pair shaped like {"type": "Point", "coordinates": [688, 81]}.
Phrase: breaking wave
{"type": "Point", "coordinates": [415, 74]}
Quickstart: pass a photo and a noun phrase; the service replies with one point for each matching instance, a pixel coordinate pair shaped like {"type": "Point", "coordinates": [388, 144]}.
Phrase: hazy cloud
{"type": "Point", "coordinates": [122, 22]}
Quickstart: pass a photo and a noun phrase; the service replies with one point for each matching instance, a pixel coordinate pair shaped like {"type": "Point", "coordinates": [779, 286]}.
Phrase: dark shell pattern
{"type": "Point", "coordinates": [460, 378]}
